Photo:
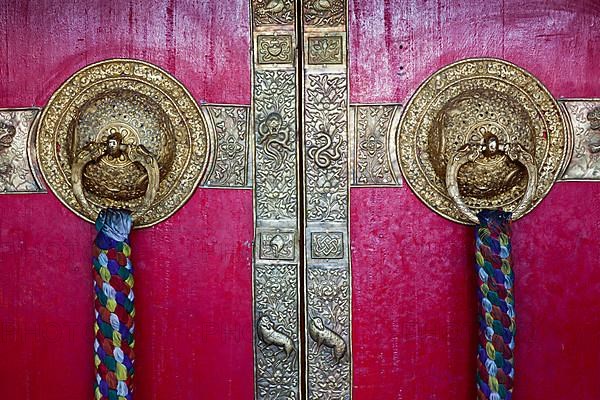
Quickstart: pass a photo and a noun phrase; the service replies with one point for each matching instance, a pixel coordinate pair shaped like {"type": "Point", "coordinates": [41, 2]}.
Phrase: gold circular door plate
{"type": "Point", "coordinates": [126, 134]}
{"type": "Point", "coordinates": [482, 134]}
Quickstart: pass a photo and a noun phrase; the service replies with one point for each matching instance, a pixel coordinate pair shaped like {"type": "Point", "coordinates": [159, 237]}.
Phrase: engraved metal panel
{"type": "Point", "coordinates": [19, 172]}
{"type": "Point", "coordinates": [277, 245]}
{"type": "Point", "coordinates": [274, 49]}
{"type": "Point", "coordinates": [231, 162]}
{"type": "Point", "coordinates": [273, 12]}
{"type": "Point", "coordinates": [584, 115]}
{"type": "Point", "coordinates": [373, 147]}
{"type": "Point", "coordinates": [326, 50]}
{"type": "Point", "coordinates": [327, 245]}
{"type": "Point", "coordinates": [325, 13]}
{"type": "Point", "coordinates": [326, 201]}
{"type": "Point", "coordinates": [277, 341]}
{"type": "Point", "coordinates": [276, 310]}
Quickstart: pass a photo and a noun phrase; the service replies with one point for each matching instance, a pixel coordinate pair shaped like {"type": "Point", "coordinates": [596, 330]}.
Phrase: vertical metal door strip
{"type": "Point", "coordinates": [327, 276]}
{"type": "Point", "coordinates": [276, 269]}
{"type": "Point", "coordinates": [282, 369]}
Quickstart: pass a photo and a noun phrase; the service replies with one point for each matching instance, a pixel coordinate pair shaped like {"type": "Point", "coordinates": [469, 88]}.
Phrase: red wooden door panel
{"type": "Point", "coordinates": [193, 272]}
{"type": "Point", "coordinates": [414, 288]}
{"type": "Point", "coordinates": [413, 283]}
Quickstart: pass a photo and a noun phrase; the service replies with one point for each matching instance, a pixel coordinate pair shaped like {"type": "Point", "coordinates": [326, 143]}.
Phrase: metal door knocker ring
{"type": "Point", "coordinates": [488, 147]}
{"type": "Point", "coordinates": [114, 148]}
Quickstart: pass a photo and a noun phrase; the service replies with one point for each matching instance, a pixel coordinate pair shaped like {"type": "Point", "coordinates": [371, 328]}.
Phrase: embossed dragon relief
{"type": "Point", "coordinates": [275, 115]}
{"type": "Point", "coordinates": [326, 144]}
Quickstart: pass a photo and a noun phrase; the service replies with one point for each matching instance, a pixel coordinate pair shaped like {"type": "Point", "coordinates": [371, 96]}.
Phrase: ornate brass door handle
{"type": "Point", "coordinates": [113, 147]}
{"type": "Point", "coordinates": [489, 147]}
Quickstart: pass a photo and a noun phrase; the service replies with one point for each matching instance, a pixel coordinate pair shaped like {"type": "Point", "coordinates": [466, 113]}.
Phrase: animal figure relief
{"type": "Point", "coordinates": [594, 118]}
{"type": "Point", "coordinates": [273, 7]}
{"type": "Point", "coordinates": [7, 134]}
{"type": "Point", "coordinates": [269, 334]}
{"type": "Point", "coordinates": [275, 138]}
{"type": "Point", "coordinates": [327, 152]}
{"type": "Point", "coordinates": [322, 335]}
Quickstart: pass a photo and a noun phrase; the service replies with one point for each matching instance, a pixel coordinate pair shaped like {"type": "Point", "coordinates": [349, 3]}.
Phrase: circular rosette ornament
{"type": "Point", "coordinates": [123, 134]}
{"type": "Point", "coordinates": [482, 134]}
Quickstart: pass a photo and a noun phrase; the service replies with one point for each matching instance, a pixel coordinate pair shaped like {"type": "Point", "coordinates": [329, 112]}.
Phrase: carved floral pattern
{"type": "Point", "coordinates": [326, 146]}
{"type": "Point", "coordinates": [275, 298]}
{"type": "Point", "coordinates": [325, 50]}
{"type": "Point", "coordinates": [17, 174]}
{"type": "Point", "coordinates": [231, 159]}
{"type": "Point", "coordinates": [329, 300]}
{"type": "Point", "coordinates": [373, 125]}
{"type": "Point", "coordinates": [275, 118]}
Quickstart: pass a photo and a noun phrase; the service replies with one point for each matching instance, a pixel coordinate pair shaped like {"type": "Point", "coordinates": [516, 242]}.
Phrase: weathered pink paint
{"type": "Point", "coordinates": [193, 272]}
{"type": "Point", "coordinates": [413, 281]}
{"type": "Point", "coordinates": [414, 294]}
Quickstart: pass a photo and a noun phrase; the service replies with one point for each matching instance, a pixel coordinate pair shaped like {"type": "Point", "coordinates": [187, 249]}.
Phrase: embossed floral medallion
{"type": "Point", "coordinates": [467, 103]}
{"type": "Point", "coordinates": [125, 134]}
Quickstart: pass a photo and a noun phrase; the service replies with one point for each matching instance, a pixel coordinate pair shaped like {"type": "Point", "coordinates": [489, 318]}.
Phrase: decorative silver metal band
{"type": "Point", "coordinates": [327, 277]}
{"type": "Point", "coordinates": [19, 170]}
{"type": "Point", "coordinates": [276, 268]}
{"type": "Point", "coordinates": [372, 132]}
{"type": "Point", "coordinates": [584, 118]}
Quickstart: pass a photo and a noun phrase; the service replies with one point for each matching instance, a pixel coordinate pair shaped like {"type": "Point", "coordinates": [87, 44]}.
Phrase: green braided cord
{"type": "Point", "coordinates": [114, 326]}
{"type": "Point", "coordinates": [496, 311]}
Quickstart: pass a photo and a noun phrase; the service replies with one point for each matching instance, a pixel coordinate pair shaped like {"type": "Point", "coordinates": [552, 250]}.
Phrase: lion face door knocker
{"type": "Point", "coordinates": [123, 134]}
{"type": "Point", "coordinates": [123, 141]}
{"type": "Point", "coordinates": [482, 142]}
{"type": "Point", "coordinates": [482, 134]}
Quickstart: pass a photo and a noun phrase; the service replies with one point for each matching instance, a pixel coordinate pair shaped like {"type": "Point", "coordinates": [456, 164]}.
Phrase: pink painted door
{"type": "Point", "coordinates": [193, 272]}
{"type": "Point", "coordinates": [414, 284]}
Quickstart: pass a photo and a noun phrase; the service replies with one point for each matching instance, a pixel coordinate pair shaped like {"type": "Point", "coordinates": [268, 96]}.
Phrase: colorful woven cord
{"type": "Point", "coordinates": [495, 370]}
{"type": "Point", "coordinates": [113, 282]}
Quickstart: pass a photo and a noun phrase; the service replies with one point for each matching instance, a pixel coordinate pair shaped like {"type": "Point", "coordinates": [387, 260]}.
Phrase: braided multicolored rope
{"type": "Point", "coordinates": [495, 278]}
{"type": "Point", "coordinates": [114, 326]}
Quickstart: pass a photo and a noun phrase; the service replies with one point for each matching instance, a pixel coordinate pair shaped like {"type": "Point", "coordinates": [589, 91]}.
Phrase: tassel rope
{"type": "Point", "coordinates": [495, 279]}
{"type": "Point", "coordinates": [114, 326]}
